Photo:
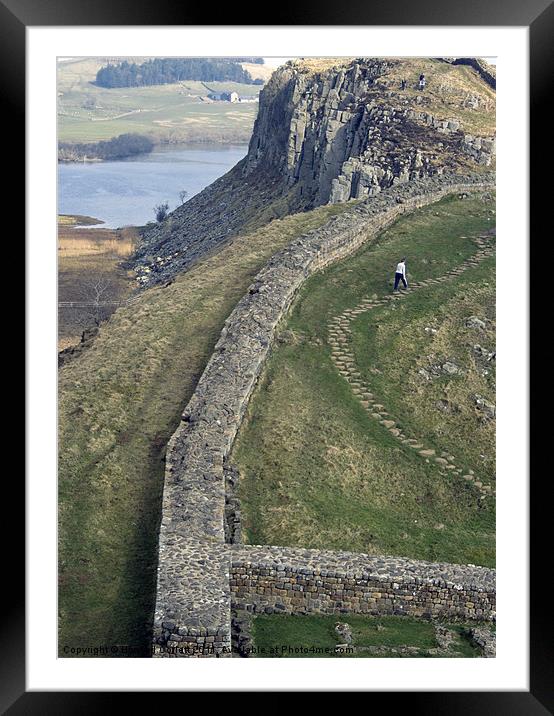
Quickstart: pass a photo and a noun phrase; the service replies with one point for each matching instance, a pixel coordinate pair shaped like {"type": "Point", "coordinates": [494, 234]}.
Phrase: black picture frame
{"type": "Point", "coordinates": [538, 16]}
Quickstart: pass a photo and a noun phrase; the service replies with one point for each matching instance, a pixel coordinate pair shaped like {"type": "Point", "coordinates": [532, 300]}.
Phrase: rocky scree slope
{"type": "Point", "coordinates": [330, 131]}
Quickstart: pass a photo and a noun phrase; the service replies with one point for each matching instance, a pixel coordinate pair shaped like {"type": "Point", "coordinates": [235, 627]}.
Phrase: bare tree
{"type": "Point", "coordinates": [183, 195]}
{"type": "Point", "coordinates": [97, 296]}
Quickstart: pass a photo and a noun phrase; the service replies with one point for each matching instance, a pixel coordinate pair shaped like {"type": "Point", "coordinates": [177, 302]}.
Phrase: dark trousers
{"type": "Point", "coordinates": [397, 278]}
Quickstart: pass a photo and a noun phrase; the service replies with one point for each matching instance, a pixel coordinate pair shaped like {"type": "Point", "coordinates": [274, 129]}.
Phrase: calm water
{"type": "Point", "coordinates": [123, 193]}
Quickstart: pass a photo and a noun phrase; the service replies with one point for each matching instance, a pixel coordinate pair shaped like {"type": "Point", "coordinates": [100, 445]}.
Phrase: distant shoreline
{"type": "Point", "coordinates": [121, 147]}
{"type": "Point", "coordinates": [75, 221]}
{"type": "Point", "coordinates": [85, 159]}
{"type": "Point", "coordinates": [68, 154]}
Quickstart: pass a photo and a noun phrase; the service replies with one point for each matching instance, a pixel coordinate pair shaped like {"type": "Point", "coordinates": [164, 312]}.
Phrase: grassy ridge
{"type": "Point", "coordinates": [448, 94]}
{"type": "Point", "coordinates": [119, 402]}
{"type": "Point", "coordinates": [316, 470]}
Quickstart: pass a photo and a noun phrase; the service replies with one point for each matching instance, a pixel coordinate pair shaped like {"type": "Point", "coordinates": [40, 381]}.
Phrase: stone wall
{"type": "Point", "coordinates": [267, 580]}
{"type": "Point", "coordinates": [487, 72]}
{"type": "Point", "coordinates": [193, 595]}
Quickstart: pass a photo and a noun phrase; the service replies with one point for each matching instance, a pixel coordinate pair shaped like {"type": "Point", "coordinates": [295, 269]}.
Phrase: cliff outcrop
{"type": "Point", "coordinates": [331, 131]}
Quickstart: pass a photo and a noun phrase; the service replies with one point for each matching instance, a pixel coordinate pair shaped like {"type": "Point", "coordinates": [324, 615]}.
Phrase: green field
{"type": "Point", "coordinates": [119, 402]}
{"type": "Point", "coordinates": [314, 636]}
{"type": "Point", "coordinates": [170, 113]}
{"type": "Point", "coordinates": [316, 470]}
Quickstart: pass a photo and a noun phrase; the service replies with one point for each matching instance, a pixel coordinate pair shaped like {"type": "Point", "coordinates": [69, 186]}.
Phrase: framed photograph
{"type": "Point", "coordinates": [278, 322]}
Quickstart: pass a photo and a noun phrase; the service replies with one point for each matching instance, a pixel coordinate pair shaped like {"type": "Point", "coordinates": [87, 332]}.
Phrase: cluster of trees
{"type": "Point", "coordinates": [125, 145]}
{"type": "Point", "coordinates": [161, 71]}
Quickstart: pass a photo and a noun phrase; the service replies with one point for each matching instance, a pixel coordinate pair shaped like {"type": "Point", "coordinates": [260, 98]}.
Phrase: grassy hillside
{"type": "Point", "coordinates": [177, 113]}
{"type": "Point", "coordinates": [78, 70]}
{"type": "Point", "coordinates": [452, 92]}
{"type": "Point", "coordinates": [119, 402]}
{"type": "Point", "coordinates": [316, 469]}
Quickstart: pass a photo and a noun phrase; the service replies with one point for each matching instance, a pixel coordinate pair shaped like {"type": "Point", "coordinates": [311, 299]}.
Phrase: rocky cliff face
{"type": "Point", "coordinates": [332, 131]}
{"type": "Point", "coordinates": [350, 131]}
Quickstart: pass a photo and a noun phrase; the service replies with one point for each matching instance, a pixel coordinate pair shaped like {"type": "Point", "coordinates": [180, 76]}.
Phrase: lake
{"type": "Point", "coordinates": [124, 192]}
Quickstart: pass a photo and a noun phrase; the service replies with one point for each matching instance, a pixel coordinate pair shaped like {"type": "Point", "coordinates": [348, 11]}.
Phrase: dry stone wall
{"type": "Point", "coordinates": [487, 72]}
{"type": "Point", "coordinates": [192, 615]}
{"type": "Point", "coordinates": [286, 580]}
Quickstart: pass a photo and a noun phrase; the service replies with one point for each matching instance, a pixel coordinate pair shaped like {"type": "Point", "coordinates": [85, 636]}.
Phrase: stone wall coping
{"type": "Point", "coordinates": [352, 565]}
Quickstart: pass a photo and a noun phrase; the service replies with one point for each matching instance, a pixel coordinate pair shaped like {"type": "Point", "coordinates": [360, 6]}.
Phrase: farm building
{"type": "Point", "coordinates": [224, 96]}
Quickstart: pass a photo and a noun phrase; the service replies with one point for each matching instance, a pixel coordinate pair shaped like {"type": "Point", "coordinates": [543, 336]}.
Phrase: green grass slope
{"type": "Point", "coordinates": [119, 402]}
{"type": "Point", "coordinates": [316, 470]}
{"type": "Point", "coordinates": [314, 636]}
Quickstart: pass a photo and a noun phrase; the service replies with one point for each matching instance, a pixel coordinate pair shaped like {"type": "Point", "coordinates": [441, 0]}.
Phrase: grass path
{"type": "Point", "coordinates": [339, 332]}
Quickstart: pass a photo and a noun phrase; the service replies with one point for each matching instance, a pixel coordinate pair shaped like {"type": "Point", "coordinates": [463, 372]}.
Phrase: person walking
{"type": "Point", "coordinates": [421, 82]}
{"type": "Point", "coordinates": [400, 274]}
